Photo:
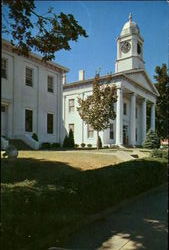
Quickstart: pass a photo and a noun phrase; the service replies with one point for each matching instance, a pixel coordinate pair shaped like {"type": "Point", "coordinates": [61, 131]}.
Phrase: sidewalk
{"type": "Point", "coordinates": [141, 224]}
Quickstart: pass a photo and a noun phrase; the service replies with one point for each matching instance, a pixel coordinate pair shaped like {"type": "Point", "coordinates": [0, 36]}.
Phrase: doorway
{"type": "Point", "coordinates": [125, 135]}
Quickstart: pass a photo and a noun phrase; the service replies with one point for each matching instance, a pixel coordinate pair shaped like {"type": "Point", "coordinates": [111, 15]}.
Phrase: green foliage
{"type": "Point", "coordinates": [83, 145]}
{"type": "Point", "coordinates": [152, 140]}
{"type": "Point", "coordinates": [55, 192]}
{"type": "Point", "coordinates": [76, 145]}
{"type": "Point", "coordinates": [71, 139]}
{"type": "Point", "coordinates": [66, 142]}
{"type": "Point", "coordinates": [35, 137]}
{"type": "Point", "coordinates": [98, 108]}
{"type": "Point", "coordinates": [162, 111]}
{"type": "Point", "coordinates": [55, 145]}
{"type": "Point", "coordinates": [99, 143]}
{"type": "Point", "coordinates": [89, 145]}
{"type": "Point", "coordinates": [46, 34]}
{"type": "Point", "coordinates": [159, 153]}
{"type": "Point", "coordinates": [45, 145]}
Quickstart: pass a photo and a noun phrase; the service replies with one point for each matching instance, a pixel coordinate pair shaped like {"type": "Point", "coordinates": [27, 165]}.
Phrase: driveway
{"type": "Point", "coordinates": [141, 224]}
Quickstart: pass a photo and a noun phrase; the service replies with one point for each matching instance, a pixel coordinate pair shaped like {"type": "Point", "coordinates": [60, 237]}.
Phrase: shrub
{"type": "Point", "coordinates": [76, 145]}
{"type": "Point", "coordinates": [71, 139]}
{"type": "Point", "coordinates": [45, 145]}
{"type": "Point", "coordinates": [83, 145]}
{"type": "Point", "coordinates": [99, 142]}
{"type": "Point", "coordinates": [106, 147]}
{"type": "Point", "coordinates": [66, 142]}
{"type": "Point", "coordinates": [158, 153]}
{"type": "Point", "coordinates": [89, 145]}
{"type": "Point", "coordinates": [152, 140]}
{"type": "Point", "coordinates": [35, 137]}
{"type": "Point", "coordinates": [55, 145]}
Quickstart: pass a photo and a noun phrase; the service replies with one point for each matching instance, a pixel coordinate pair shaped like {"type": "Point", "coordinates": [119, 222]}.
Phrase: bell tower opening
{"type": "Point", "coordinates": [129, 47]}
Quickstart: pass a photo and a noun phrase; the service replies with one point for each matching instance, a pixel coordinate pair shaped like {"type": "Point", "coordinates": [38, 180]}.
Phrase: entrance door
{"type": "Point", "coordinates": [125, 135]}
{"type": "Point", "coordinates": [4, 124]}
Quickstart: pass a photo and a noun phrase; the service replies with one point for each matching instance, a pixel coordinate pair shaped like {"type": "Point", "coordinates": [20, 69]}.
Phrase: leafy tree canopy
{"type": "Point", "coordinates": [45, 34]}
{"type": "Point", "coordinates": [98, 108]}
{"type": "Point", "coordinates": [162, 111]}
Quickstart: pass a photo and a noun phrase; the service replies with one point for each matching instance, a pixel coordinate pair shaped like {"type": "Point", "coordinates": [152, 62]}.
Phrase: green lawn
{"type": "Point", "coordinates": [44, 201]}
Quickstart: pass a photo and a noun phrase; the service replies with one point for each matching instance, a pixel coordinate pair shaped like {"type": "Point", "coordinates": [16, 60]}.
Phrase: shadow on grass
{"type": "Point", "coordinates": [44, 201]}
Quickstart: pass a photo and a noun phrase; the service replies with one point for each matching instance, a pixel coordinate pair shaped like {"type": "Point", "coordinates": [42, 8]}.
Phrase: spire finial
{"type": "Point", "coordinates": [130, 17]}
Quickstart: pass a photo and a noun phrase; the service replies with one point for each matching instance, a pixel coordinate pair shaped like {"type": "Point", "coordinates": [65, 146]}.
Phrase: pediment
{"type": "Point", "coordinates": [142, 79]}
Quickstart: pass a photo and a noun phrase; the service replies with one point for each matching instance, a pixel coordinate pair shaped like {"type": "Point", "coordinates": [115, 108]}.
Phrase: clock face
{"type": "Point", "coordinates": [125, 47]}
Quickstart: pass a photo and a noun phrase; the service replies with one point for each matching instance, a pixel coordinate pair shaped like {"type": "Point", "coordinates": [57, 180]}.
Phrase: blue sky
{"type": "Point", "coordinates": [103, 21]}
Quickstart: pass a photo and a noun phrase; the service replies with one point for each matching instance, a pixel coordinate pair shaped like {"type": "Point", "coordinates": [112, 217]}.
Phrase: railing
{"type": "Point", "coordinates": [29, 141]}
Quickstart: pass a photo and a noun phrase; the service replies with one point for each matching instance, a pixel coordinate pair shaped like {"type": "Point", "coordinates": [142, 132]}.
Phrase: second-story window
{"type": "Point", "coordinates": [50, 84]}
{"type": "Point", "coordinates": [71, 105]}
{"type": "Point", "coordinates": [125, 108]}
{"type": "Point", "coordinates": [29, 77]}
{"type": "Point", "coordinates": [4, 68]}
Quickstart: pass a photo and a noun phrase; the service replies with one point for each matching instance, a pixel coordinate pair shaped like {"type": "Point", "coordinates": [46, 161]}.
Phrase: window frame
{"type": "Point", "coordinates": [6, 70]}
{"type": "Point", "coordinates": [26, 83]}
{"type": "Point", "coordinates": [50, 130]}
{"type": "Point", "coordinates": [90, 130]}
{"type": "Point", "coordinates": [52, 83]}
{"type": "Point", "coordinates": [124, 108]}
{"type": "Point", "coordinates": [31, 126]}
{"type": "Point", "coordinates": [71, 106]}
{"type": "Point", "coordinates": [72, 125]}
{"type": "Point", "coordinates": [111, 134]}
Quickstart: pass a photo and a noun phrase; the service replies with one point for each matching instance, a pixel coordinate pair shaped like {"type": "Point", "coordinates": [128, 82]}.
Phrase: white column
{"type": "Point", "coordinates": [144, 120]}
{"type": "Point", "coordinates": [153, 117]}
{"type": "Point", "coordinates": [119, 118]}
{"type": "Point", "coordinates": [133, 120]}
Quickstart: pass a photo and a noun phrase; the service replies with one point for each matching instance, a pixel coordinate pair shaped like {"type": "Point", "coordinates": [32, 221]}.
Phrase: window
{"type": "Point", "coordinates": [50, 123]}
{"type": "Point", "coordinates": [90, 131]}
{"type": "Point", "coordinates": [111, 131]}
{"type": "Point", "coordinates": [2, 108]}
{"type": "Point", "coordinates": [71, 105]}
{"type": "Point", "coordinates": [71, 127]}
{"type": "Point", "coordinates": [4, 68]}
{"type": "Point", "coordinates": [28, 120]}
{"type": "Point", "coordinates": [125, 108]}
{"type": "Point", "coordinates": [50, 84]}
{"type": "Point", "coordinates": [136, 112]}
{"type": "Point", "coordinates": [29, 77]}
{"type": "Point", "coordinates": [136, 134]}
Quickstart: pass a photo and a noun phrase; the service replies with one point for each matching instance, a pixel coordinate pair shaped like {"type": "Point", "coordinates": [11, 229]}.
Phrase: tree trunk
{"type": "Point", "coordinates": [97, 140]}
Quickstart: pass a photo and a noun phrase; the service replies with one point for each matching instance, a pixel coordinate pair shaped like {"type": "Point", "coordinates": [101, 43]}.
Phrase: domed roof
{"type": "Point", "coordinates": [130, 27]}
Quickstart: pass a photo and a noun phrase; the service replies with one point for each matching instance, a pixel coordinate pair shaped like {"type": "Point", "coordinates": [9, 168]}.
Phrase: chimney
{"type": "Point", "coordinates": [81, 75]}
{"type": "Point", "coordinates": [64, 78]}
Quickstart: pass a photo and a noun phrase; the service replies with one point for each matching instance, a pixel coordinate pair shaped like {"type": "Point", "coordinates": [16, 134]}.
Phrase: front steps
{"type": "Point", "coordinates": [19, 144]}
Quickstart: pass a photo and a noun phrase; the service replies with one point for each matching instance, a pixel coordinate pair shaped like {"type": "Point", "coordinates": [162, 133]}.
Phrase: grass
{"type": "Point", "coordinates": [44, 201]}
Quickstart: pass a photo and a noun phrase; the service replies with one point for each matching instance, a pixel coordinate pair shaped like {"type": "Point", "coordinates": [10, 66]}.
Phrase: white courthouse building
{"type": "Point", "coordinates": [31, 99]}
{"type": "Point", "coordinates": [134, 90]}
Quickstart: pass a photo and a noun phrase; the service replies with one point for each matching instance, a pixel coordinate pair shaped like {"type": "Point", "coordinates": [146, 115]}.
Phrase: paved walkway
{"type": "Point", "coordinates": [141, 224]}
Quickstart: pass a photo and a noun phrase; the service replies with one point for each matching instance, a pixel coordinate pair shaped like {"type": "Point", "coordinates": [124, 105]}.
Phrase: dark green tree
{"type": "Point", "coordinates": [46, 34]}
{"type": "Point", "coordinates": [162, 105]}
{"type": "Point", "coordinates": [99, 142]}
{"type": "Point", "coordinates": [71, 139]}
{"type": "Point", "coordinates": [152, 140]}
{"type": "Point", "coordinates": [66, 142]}
{"type": "Point", "coordinates": [98, 108]}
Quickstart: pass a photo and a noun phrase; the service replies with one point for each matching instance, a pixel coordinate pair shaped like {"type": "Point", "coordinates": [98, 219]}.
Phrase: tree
{"type": "Point", "coordinates": [152, 140]}
{"type": "Point", "coordinates": [97, 109]}
{"type": "Point", "coordinates": [45, 34]}
{"type": "Point", "coordinates": [71, 139]}
{"type": "Point", "coordinates": [162, 111]}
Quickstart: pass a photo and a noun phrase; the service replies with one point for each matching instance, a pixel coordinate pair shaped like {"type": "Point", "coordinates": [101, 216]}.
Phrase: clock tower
{"type": "Point", "coordinates": [129, 48]}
